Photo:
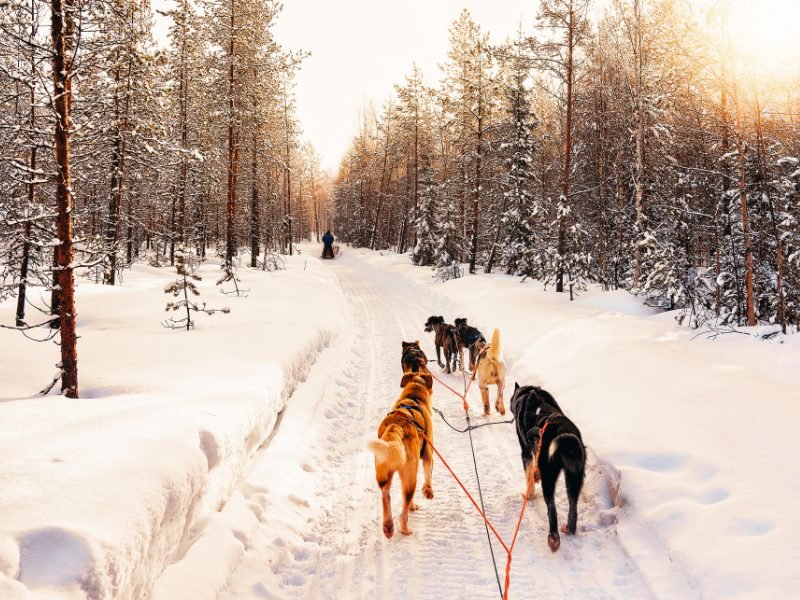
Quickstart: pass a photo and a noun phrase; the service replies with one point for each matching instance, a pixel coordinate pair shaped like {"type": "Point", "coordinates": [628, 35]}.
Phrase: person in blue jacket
{"type": "Point", "coordinates": [327, 250]}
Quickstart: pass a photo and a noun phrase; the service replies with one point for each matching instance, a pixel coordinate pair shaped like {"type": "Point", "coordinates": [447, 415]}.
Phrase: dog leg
{"type": "Point", "coordinates": [485, 398]}
{"type": "Point", "coordinates": [427, 466]}
{"type": "Point", "coordinates": [574, 483]}
{"type": "Point", "coordinates": [548, 492]}
{"type": "Point", "coordinates": [409, 480]}
{"type": "Point", "coordinates": [438, 356]}
{"type": "Point", "coordinates": [499, 405]}
{"type": "Point", "coordinates": [386, 498]}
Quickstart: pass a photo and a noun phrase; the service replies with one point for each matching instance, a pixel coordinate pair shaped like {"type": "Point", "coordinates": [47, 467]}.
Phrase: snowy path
{"type": "Point", "coordinates": [313, 489]}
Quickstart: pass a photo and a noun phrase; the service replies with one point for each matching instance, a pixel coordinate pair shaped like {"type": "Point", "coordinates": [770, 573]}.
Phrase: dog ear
{"type": "Point", "coordinates": [406, 344]}
{"type": "Point", "coordinates": [516, 386]}
{"type": "Point", "coordinates": [407, 377]}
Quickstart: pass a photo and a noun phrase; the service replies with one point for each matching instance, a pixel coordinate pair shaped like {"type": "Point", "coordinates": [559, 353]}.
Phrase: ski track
{"type": "Point", "coordinates": [335, 548]}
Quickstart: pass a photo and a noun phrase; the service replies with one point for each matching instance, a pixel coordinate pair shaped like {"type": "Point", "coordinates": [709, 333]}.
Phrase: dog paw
{"type": "Point", "coordinates": [413, 507]}
{"type": "Point", "coordinates": [427, 491]}
{"type": "Point", "coordinates": [565, 529]}
{"type": "Point", "coordinates": [500, 408]}
{"type": "Point", "coordinates": [406, 530]}
{"type": "Point", "coordinates": [388, 529]}
{"type": "Point", "coordinates": [554, 542]}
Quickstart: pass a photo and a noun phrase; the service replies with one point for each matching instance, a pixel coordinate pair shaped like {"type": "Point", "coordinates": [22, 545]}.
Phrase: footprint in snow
{"type": "Point", "coordinates": [751, 527]}
{"type": "Point", "coordinates": [299, 501]}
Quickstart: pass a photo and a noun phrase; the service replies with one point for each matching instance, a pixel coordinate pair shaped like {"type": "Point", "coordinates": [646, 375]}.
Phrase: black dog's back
{"type": "Point", "coordinates": [527, 404]}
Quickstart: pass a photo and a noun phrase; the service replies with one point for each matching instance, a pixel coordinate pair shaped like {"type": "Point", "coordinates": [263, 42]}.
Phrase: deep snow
{"type": "Point", "coordinates": [170, 478]}
{"type": "Point", "coordinates": [98, 494]}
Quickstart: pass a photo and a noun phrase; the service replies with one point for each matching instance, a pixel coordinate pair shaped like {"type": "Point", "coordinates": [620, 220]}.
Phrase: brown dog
{"type": "Point", "coordinates": [401, 445]}
{"type": "Point", "coordinates": [492, 371]}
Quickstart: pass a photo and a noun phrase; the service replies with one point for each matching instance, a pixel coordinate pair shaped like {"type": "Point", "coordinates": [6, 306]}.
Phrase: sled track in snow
{"type": "Point", "coordinates": [339, 551]}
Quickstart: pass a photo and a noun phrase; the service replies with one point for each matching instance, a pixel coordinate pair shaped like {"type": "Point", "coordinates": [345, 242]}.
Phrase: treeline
{"type": "Point", "coordinates": [114, 148]}
{"type": "Point", "coordinates": [635, 151]}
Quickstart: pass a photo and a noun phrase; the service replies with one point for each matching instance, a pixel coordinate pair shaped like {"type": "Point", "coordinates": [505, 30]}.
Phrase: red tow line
{"type": "Point", "coordinates": [509, 549]}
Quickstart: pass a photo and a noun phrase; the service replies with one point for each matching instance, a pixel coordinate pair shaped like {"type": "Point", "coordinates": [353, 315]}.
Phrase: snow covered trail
{"type": "Point", "coordinates": [313, 491]}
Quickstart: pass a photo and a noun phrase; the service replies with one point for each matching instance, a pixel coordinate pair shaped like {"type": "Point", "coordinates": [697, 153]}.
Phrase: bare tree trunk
{"type": "Point", "coordinates": [416, 163]}
{"type": "Point", "coordinates": [62, 32]}
{"type": "Point", "coordinates": [112, 225]}
{"type": "Point", "coordinates": [565, 176]}
{"type": "Point", "coordinates": [26, 244]}
{"type": "Point", "coordinates": [748, 255]}
{"type": "Point", "coordinates": [476, 195]}
{"type": "Point", "coordinates": [254, 214]}
{"type": "Point", "coordinates": [233, 166]}
{"type": "Point", "coordinates": [288, 168]}
{"type": "Point", "coordinates": [183, 100]}
{"type": "Point", "coordinates": [639, 176]}
{"type": "Point", "coordinates": [23, 270]}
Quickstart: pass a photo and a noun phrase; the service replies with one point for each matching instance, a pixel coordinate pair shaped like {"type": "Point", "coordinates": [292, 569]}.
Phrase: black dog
{"type": "Point", "coordinates": [550, 443]}
{"type": "Point", "coordinates": [413, 358]}
{"type": "Point", "coordinates": [445, 339]}
{"type": "Point", "coordinates": [468, 337]}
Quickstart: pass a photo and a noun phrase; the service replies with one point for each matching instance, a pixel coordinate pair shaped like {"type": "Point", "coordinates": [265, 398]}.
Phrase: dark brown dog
{"type": "Point", "coordinates": [445, 339]}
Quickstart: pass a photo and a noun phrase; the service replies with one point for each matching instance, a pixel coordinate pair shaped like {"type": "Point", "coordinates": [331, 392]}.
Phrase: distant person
{"type": "Point", "coordinates": [327, 250]}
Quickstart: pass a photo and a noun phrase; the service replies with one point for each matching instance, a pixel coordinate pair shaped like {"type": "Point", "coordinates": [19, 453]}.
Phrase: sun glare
{"type": "Point", "coordinates": [764, 35]}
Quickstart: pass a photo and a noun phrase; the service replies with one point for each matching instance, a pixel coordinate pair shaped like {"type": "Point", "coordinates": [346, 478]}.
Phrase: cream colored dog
{"type": "Point", "coordinates": [492, 371]}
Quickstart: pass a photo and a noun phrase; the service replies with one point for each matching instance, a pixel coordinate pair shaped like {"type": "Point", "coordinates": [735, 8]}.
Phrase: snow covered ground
{"type": "Point", "coordinates": [98, 494]}
{"type": "Point", "coordinates": [171, 480]}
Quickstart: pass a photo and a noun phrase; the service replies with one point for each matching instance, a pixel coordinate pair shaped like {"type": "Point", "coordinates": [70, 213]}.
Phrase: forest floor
{"type": "Point", "coordinates": [255, 480]}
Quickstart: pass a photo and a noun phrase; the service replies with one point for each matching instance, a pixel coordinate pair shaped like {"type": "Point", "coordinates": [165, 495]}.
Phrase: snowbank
{"type": "Point", "coordinates": [702, 432]}
{"type": "Point", "coordinates": [97, 495]}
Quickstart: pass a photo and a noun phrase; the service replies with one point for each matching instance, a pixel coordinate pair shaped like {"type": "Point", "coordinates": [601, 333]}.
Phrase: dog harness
{"type": "Point", "coordinates": [412, 420]}
{"type": "Point", "coordinates": [536, 475]}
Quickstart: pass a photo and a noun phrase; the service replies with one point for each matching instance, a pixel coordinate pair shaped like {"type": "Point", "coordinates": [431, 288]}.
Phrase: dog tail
{"type": "Point", "coordinates": [570, 449]}
{"type": "Point", "coordinates": [495, 351]}
{"type": "Point", "coordinates": [389, 450]}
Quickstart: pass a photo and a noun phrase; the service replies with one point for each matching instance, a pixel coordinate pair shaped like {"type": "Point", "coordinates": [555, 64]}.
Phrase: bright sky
{"type": "Point", "coordinates": [361, 48]}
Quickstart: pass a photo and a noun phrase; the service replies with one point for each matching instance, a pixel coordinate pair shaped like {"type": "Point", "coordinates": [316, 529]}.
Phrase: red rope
{"type": "Point", "coordinates": [509, 550]}
{"type": "Point", "coordinates": [459, 394]}
{"type": "Point", "coordinates": [475, 504]}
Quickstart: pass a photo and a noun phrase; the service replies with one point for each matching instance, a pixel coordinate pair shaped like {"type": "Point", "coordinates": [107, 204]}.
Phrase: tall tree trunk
{"type": "Point", "coordinates": [476, 194]}
{"type": "Point", "coordinates": [62, 32]}
{"type": "Point", "coordinates": [254, 214]}
{"type": "Point", "coordinates": [26, 244]}
{"type": "Point", "coordinates": [230, 245]}
{"type": "Point", "coordinates": [183, 99]}
{"type": "Point", "coordinates": [565, 175]}
{"type": "Point", "coordinates": [639, 175]}
{"type": "Point", "coordinates": [289, 233]}
{"type": "Point", "coordinates": [748, 254]}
